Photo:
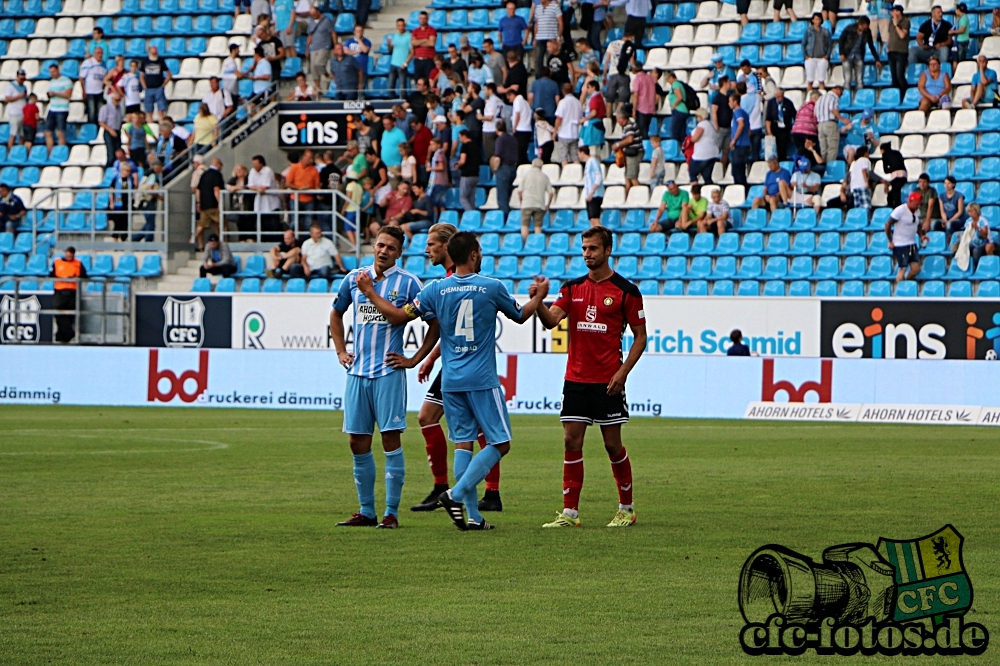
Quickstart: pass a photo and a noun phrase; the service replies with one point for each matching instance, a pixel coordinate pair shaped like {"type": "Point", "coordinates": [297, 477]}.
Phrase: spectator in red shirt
{"type": "Point", "coordinates": [420, 142]}
{"type": "Point", "coordinates": [423, 40]}
{"type": "Point", "coordinates": [29, 125]}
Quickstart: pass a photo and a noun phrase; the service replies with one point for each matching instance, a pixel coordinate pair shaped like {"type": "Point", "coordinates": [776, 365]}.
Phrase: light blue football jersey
{"type": "Point", "coordinates": [467, 306]}
{"type": "Point", "coordinates": [374, 336]}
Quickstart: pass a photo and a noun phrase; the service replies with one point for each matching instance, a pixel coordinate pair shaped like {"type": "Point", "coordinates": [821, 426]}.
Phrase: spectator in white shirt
{"type": "Point", "coordinates": [16, 96]}
{"type": "Point", "coordinates": [218, 100]}
{"type": "Point", "coordinates": [92, 73]}
{"type": "Point", "coordinates": [521, 121]}
{"type": "Point", "coordinates": [569, 112]}
{"type": "Point", "coordinates": [318, 255]}
{"type": "Point", "coordinates": [261, 179]}
{"type": "Point", "coordinates": [231, 72]}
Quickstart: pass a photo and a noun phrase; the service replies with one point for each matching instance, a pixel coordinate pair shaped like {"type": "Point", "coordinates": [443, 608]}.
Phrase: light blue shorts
{"type": "Point", "coordinates": [469, 412]}
{"type": "Point", "coordinates": [379, 400]}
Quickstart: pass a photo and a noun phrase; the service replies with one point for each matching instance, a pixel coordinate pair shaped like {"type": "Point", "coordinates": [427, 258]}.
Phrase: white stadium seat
{"type": "Point", "coordinates": [38, 48]}
{"type": "Point", "coordinates": [99, 154]}
{"type": "Point", "coordinates": [964, 121]}
{"type": "Point", "coordinates": [680, 57]}
{"type": "Point", "coordinates": [8, 70]}
{"type": "Point", "coordinates": [210, 67]}
{"type": "Point", "coordinates": [964, 72]}
{"type": "Point", "coordinates": [49, 177]}
{"type": "Point", "coordinates": [77, 112]}
{"type": "Point", "coordinates": [77, 92]}
{"type": "Point", "coordinates": [92, 177]}
{"type": "Point", "coordinates": [190, 67]}
{"type": "Point", "coordinates": [793, 77]}
{"type": "Point", "coordinates": [552, 171]}
{"type": "Point", "coordinates": [683, 176]}
{"type": "Point", "coordinates": [728, 33]}
{"type": "Point", "coordinates": [201, 88]}
{"type": "Point", "coordinates": [109, 7]}
{"type": "Point", "coordinates": [46, 27]}
{"type": "Point", "coordinates": [71, 177]}
{"type": "Point", "coordinates": [759, 10]}
{"type": "Point", "coordinates": [17, 49]}
{"type": "Point", "coordinates": [758, 171]}
{"type": "Point", "coordinates": [565, 198]}
{"type": "Point", "coordinates": [830, 191]}
{"type": "Point", "coordinates": [616, 176]}
{"type": "Point", "coordinates": [912, 146]}
{"type": "Point", "coordinates": [92, 7]}
{"type": "Point", "coordinates": [938, 145]}
{"type": "Point", "coordinates": [938, 121]}
{"type": "Point", "coordinates": [217, 46]}
{"type": "Point", "coordinates": [183, 89]}
{"type": "Point", "coordinates": [914, 167]}
{"type": "Point", "coordinates": [38, 198]}
{"type": "Point", "coordinates": [242, 25]}
{"type": "Point", "coordinates": [491, 200]}
{"type": "Point", "coordinates": [735, 195]}
{"type": "Point", "coordinates": [727, 12]}
{"type": "Point", "coordinates": [72, 7]}
{"type": "Point", "coordinates": [614, 197]}
{"type": "Point", "coordinates": [84, 27]}
{"type": "Point", "coordinates": [702, 56]}
{"type": "Point", "coordinates": [656, 59]}
{"type": "Point", "coordinates": [913, 121]}
{"type": "Point", "coordinates": [572, 174]}
{"type": "Point", "coordinates": [644, 172]}
{"type": "Point", "coordinates": [707, 11]}
{"type": "Point", "coordinates": [706, 34]}
{"type": "Point", "coordinates": [57, 48]}
{"type": "Point", "coordinates": [656, 196]}
{"type": "Point", "coordinates": [681, 36]}
{"type": "Point", "coordinates": [177, 110]}
{"type": "Point", "coordinates": [65, 27]}
{"type": "Point", "coordinates": [522, 171]}
{"type": "Point", "coordinates": [990, 47]}
{"type": "Point", "coordinates": [31, 67]}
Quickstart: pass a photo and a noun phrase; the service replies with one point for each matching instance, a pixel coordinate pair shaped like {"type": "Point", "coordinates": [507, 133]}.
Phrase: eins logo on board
{"type": "Point", "coordinates": [878, 339]}
{"type": "Point", "coordinates": [305, 132]}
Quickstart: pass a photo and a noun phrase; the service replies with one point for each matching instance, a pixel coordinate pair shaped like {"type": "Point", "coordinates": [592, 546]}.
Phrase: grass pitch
{"type": "Point", "coordinates": [168, 536]}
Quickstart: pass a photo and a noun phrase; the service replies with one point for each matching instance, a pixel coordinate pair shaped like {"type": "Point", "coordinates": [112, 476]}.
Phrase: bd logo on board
{"type": "Point", "coordinates": [166, 384]}
{"type": "Point", "coordinates": [932, 329]}
{"type": "Point", "coordinates": [905, 597]}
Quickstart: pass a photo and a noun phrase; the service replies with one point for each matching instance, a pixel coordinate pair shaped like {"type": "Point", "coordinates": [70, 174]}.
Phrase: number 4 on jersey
{"type": "Point", "coordinates": [463, 324]}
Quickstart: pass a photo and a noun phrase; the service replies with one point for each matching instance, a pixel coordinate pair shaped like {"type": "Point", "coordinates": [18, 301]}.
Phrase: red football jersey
{"type": "Point", "coordinates": [598, 313]}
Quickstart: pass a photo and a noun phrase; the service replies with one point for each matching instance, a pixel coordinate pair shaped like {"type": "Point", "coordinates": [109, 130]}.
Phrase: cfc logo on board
{"type": "Point", "coordinates": [183, 322]}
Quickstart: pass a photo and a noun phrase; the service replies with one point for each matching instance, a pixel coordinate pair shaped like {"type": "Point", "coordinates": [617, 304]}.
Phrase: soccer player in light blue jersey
{"type": "Point", "coordinates": [375, 391]}
{"type": "Point", "coordinates": [466, 305]}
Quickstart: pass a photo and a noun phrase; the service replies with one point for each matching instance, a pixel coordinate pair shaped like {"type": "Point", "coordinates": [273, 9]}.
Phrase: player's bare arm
{"type": "Point", "coordinates": [430, 342]}
{"type": "Point", "coordinates": [395, 316]}
{"type": "Point", "coordinates": [538, 291]}
{"type": "Point", "coordinates": [339, 343]}
{"type": "Point", "coordinates": [549, 316]}
{"type": "Point", "coordinates": [424, 373]}
{"type": "Point", "coordinates": [617, 383]}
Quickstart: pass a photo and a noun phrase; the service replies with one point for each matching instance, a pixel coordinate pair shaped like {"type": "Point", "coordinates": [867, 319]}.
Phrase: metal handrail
{"type": "Point", "coordinates": [297, 220]}
{"type": "Point", "coordinates": [160, 214]}
{"type": "Point", "coordinates": [18, 314]}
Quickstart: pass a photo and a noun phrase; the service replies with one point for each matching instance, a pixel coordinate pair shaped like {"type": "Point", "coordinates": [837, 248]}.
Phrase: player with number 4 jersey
{"type": "Point", "coordinates": [599, 306]}
{"type": "Point", "coordinates": [466, 306]}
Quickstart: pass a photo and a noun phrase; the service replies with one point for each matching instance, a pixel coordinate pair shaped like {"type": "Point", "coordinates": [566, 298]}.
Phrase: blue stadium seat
{"type": "Point", "coordinates": [826, 289]}
{"type": "Point", "coordinates": [506, 267]}
{"type": "Point", "coordinates": [827, 268]}
{"type": "Point", "coordinates": [961, 289]}
{"type": "Point", "coordinates": [611, 219]}
{"type": "Point", "coordinates": [558, 244]}
{"type": "Point", "coordinates": [774, 288]}
{"type": "Point", "coordinates": [201, 285]}
{"type": "Point", "coordinates": [753, 243]}
{"type": "Point", "coordinates": [226, 286]}
{"type": "Point", "coordinates": [127, 266]}
{"type": "Point", "coordinates": [954, 272]}
{"type": "Point", "coordinates": [272, 286]}
{"type": "Point", "coordinates": [511, 244]}
{"type": "Point", "coordinates": [805, 220]}
{"type": "Point", "coordinates": [635, 220]}
{"type": "Point", "coordinates": [700, 268]}
{"type": "Point", "coordinates": [964, 144]}
{"type": "Point", "coordinates": [933, 269]}
{"type": "Point", "coordinates": [704, 243]}
{"type": "Point", "coordinates": [988, 268]}
{"type": "Point", "coordinates": [989, 192]}
{"type": "Point", "coordinates": [555, 267]}
{"type": "Point", "coordinates": [989, 120]}
{"type": "Point", "coordinates": [656, 244]}
{"type": "Point", "coordinates": [728, 244]}
{"type": "Point", "coordinates": [697, 288]}
{"type": "Point", "coordinates": [627, 267]}
{"type": "Point", "coordinates": [772, 55]}
{"type": "Point", "coordinates": [933, 289]}
{"type": "Point", "coordinates": [853, 289]}
{"type": "Point", "coordinates": [775, 269]}
{"type": "Point", "coordinates": [856, 242]}
{"type": "Point", "coordinates": [676, 268]}
{"type": "Point", "coordinates": [880, 268]}
{"type": "Point", "coordinates": [829, 243]}
{"type": "Point", "coordinates": [750, 268]}
{"type": "Point", "coordinates": [316, 286]}
{"type": "Point", "coordinates": [295, 286]}
{"type": "Point", "coordinates": [664, 13]}
{"type": "Point", "coordinates": [490, 243]}
{"type": "Point", "coordinates": [964, 168]}
{"type": "Point", "coordinates": [988, 290]}
{"type": "Point", "coordinates": [906, 289]}
{"type": "Point", "coordinates": [678, 244]}
{"type": "Point", "coordinates": [38, 265]}
{"type": "Point", "coordinates": [777, 244]}
{"type": "Point", "coordinates": [103, 265]}
{"type": "Point", "coordinates": [935, 244]}
{"type": "Point", "coordinates": [725, 268]}
{"type": "Point", "coordinates": [989, 144]}
{"type": "Point", "coordinates": [888, 122]}
{"type": "Point", "coordinates": [534, 246]}
{"type": "Point", "coordinates": [801, 269]}
{"type": "Point", "coordinates": [748, 288]}
{"type": "Point", "coordinates": [937, 169]}
{"type": "Point", "coordinates": [781, 220]}
{"type": "Point", "coordinates": [800, 288]}
{"type": "Point", "coordinates": [835, 172]}
{"type": "Point", "coordinates": [750, 34]}
{"type": "Point", "coordinates": [723, 288]}
{"type": "Point", "coordinates": [854, 268]}
{"type": "Point", "coordinates": [673, 288]}
{"type": "Point", "coordinates": [344, 24]}
{"type": "Point", "coordinates": [880, 289]}
{"type": "Point", "coordinates": [649, 288]}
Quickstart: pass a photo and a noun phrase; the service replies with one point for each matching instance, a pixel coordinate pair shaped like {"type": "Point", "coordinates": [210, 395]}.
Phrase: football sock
{"type": "Point", "coordinates": [476, 472]}
{"type": "Point", "coordinates": [437, 452]}
{"type": "Point", "coordinates": [622, 469]}
{"type": "Point", "coordinates": [493, 478]}
{"type": "Point", "coordinates": [395, 474]}
{"type": "Point", "coordinates": [462, 459]}
{"type": "Point", "coordinates": [572, 479]}
{"type": "Point", "coordinates": [364, 479]}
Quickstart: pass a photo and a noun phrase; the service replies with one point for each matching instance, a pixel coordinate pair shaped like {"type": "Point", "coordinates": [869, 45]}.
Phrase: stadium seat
{"type": "Point", "coordinates": [697, 288]}
{"type": "Point", "coordinates": [988, 290]}
{"type": "Point", "coordinates": [753, 243]}
{"type": "Point", "coordinates": [226, 286]}
{"type": "Point", "coordinates": [748, 288]}
{"type": "Point", "coordinates": [777, 244]}
{"type": "Point", "coordinates": [800, 288]}
{"type": "Point", "coordinates": [673, 288]}
{"type": "Point", "coordinates": [933, 289]}
{"type": "Point", "coordinates": [678, 244]}
{"type": "Point", "coordinates": [250, 285]}
{"type": "Point", "coordinates": [960, 289]}
{"type": "Point", "coordinates": [723, 288]}
{"type": "Point", "coordinates": [656, 245]}
{"type": "Point", "coordinates": [201, 285]}
{"type": "Point", "coordinates": [295, 286]}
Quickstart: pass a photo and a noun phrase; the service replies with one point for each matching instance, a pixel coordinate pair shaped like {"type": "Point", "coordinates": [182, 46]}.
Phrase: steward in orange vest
{"type": "Point", "coordinates": [65, 292]}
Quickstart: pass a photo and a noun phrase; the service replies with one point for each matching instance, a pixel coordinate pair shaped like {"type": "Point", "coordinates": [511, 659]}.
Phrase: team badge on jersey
{"type": "Point", "coordinates": [608, 300]}
{"type": "Point", "coordinates": [591, 313]}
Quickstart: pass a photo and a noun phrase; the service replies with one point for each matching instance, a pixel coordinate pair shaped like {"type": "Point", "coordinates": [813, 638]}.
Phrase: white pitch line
{"type": "Point", "coordinates": [210, 446]}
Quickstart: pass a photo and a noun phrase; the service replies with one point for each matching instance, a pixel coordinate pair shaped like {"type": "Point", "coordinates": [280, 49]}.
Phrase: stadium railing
{"type": "Point", "coordinates": [103, 310]}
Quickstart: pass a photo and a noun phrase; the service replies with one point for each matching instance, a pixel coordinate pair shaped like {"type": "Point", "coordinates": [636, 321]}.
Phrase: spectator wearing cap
{"type": "Point", "coordinates": [860, 134]}
{"type": "Point", "coordinates": [901, 229]}
{"type": "Point", "coordinates": [777, 186]}
{"type": "Point", "coordinates": [961, 32]}
{"type": "Point", "coordinates": [218, 259]}
{"type": "Point", "coordinates": [401, 53]}
{"type": "Point", "coordinates": [423, 39]}
{"type": "Point", "coordinates": [933, 38]}
{"type": "Point", "coordinates": [817, 47]}
{"type": "Point", "coordinates": [935, 87]}
{"type": "Point", "coordinates": [16, 97]}
{"type": "Point", "coordinates": [806, 185]}
{"type": "Point", "coordinates": [719, 69]}
{"type": "Point", "coordinates": [827, 115]}
{"type": "Point", "coordinates": [535, 194]}
{"type": "Point", "coordinates": [779, 117]}
{"type": "Point", "coordinates": [347, 74]}
{"type": "Point", "coordinates": [852, 44]}
{"type": "Point", "coordinates": [674, 203]}
{"type": "Point", "coordinates": [12, 209]}
{"type": "Point", "coordinates": [319, 43]}
{"type": "Point", "coordinates": [544, 93]}
{"type": "Point", "coordinates": [984, 85]}
{"type": "Point", "coordinates": [898, 50]}
{"type": "Point", "coordinates": [706, 148]}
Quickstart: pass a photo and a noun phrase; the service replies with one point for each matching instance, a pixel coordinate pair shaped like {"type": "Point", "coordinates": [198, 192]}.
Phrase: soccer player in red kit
{"type": "Point", "coordinates": [599, 306]}
{"type": "Point", "coordinates": [433, 408]}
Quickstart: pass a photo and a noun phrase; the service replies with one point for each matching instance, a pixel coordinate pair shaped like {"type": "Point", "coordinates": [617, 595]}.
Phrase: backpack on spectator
{"type": "Point", "coordinates": [691, 100]}
{"type": "Point", "coordinates": [625, 57]}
